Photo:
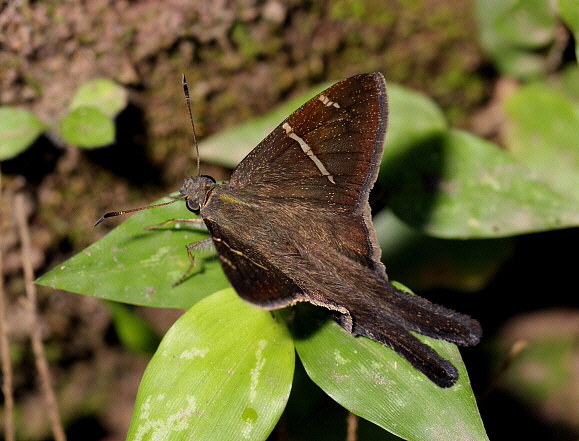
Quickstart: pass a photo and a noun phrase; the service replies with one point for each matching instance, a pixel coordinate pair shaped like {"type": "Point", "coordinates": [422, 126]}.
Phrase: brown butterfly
{"type": "Point", "coordinates": [294, 225]}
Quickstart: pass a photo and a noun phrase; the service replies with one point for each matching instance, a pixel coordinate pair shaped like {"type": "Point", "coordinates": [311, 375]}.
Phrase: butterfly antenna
{"type": "Point", "coordinates": [186, 91]}
{"type": "Point", "coordinates": [118, 213]}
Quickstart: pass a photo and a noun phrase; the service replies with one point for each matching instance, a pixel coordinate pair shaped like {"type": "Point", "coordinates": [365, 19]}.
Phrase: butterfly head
{"type": "Point", "coordinates": [196, 190]}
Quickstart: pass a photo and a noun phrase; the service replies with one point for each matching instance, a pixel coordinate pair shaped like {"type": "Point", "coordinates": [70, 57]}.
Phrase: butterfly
{"type": "Point", "coordinates": [293, 224]}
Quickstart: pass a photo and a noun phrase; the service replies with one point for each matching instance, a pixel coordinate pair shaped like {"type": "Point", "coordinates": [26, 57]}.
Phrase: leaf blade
{"type": "Point", "coordinates": [461, 186]}
{"type": "Point", "coordinates": [88, 127]}
{"type": "Point", "coordinates": [19, 130]}
{"type": "Point", "coordinates": [102, 94]}
{"type": "Point", "coordinates": [138, 266]}
{"type": "Point", "coordinates": [374, 382]}
{"type": "Point", "coordinates": [223, 371]}
{"type": "Point", "coordinates": [545, 141]}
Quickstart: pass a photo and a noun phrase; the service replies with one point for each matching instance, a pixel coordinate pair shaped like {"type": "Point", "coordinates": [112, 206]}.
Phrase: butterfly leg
{"type": "Point", "coordinates": [201, 245]}
{"type": "Point", "coordinates": [339, 313]}
{"type": "Point", "coordinates": [197, 223]}
{"type": "Point", "coordinates": [346, 322]}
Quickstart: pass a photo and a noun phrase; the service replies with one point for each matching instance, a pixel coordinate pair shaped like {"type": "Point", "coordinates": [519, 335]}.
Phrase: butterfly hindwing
{"type": "Point", "coordinates": [250, 273]}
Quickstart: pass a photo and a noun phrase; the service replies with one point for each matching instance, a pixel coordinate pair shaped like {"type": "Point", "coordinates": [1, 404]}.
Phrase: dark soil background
{"type": "Point", "coordinates": [241, 59]}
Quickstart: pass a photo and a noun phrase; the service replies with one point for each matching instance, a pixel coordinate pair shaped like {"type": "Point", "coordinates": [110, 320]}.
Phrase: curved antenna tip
{"type": "Point", "coordinates": [106, 216]}
{"type": "Point", "coordinates": [100, 220]}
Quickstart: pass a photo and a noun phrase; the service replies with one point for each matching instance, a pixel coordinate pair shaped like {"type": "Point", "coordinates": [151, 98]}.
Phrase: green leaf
{"type": "Point", "coordinates": [413, 119]}
{"type": "Point", "coordinates": [229, 147]}
{"type": "Point", "coordinates": [374, 382]}
{"type": "Point", "coordinates": [133, 332]}
{"type": "Point", "coordinates": [88, 127]}
{"type": "Point", "coordinates": [525, 23]}
{"type": "Point", "coordinates": [542, 132]}
{"type": "Point", "coordinates": [515, 33]}
{"type": "Point", "coordinates": [223, 371]}
{"type": "Point", "coordinates": [138, 266]}
{"type": "Point", "coordinates": [461, 186]}
{"type": "Point", "coordinates": [534, 358]}
{"type": "Point", "coordinates": [541, 371]}
{"type": "Point", "coordinates": [102, 94]}
{"type": "Point", "coordinates": [568, 82]}
{"type": "Point", "coordinates": [18, 130]}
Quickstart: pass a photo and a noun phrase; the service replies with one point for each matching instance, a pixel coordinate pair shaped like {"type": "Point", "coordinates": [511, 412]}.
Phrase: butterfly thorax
{"type": "Point", "coordinates": [196, 191]}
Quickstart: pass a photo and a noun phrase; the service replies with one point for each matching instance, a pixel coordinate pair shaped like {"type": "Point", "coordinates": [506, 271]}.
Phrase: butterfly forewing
{"type": "Point", "coordinates": [344, 127]}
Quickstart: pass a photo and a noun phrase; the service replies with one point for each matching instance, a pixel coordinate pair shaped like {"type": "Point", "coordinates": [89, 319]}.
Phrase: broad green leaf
{"type": "Point", "coordinates": [18, 130]}
{"type": "Point", "coordinates": [222, 372]}
{"type": "Point", "coordinates": [568, 82]}
{"type": "Point", "coordinates": [542, 369]}
{"type": "Point", "coordinates": [374, 382]}
{"type": "Point", "coordinates": [320, 418]}
{"type": "Point", "coordinates": [525, 23]}
{"type": "Point", "coordinates": [461, 186]}
{"type": "Point", "coordinates": [543, 132]}
{"type": "Point", "coordinates": [102, 94]}
{"type": "Point", "coordinates": [138, 266]}
{"type": "Point", "coordinates": [229, 147]}
{"type": "Point", "coordinates": [535, 354]}
{"type": "Point", "coordinates": [88, 127]}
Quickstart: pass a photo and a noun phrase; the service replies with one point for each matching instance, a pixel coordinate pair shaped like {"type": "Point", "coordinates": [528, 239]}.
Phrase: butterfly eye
{"type": "Point", "coordinates": [193, 205]}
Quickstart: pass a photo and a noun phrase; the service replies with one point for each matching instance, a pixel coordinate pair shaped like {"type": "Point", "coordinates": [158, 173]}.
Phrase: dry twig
{"type": "Point", "coordinates": [35, 336]}
{"type": "Point", "coordinates": [352, 428]}
{"type": "Point", "coordinates": [5, 350]}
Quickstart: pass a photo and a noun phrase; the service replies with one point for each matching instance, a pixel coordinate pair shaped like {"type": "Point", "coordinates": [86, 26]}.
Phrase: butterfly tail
{"type": "Point", "coordinates": [390, 314]}
{"type": "Point", "coordinates": [420, 315]}
{"type": "Point", "coordinates": [421, 356]}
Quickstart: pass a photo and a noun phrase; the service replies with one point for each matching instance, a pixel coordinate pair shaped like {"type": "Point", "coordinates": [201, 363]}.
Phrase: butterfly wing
{"type": "Point", "coordinates": [252, 275]}
{"type": "Point", "coordinates": [273, 264]}
{"type": "Point", "coordinates": [325, 157]}
{"type": "Point", "coordinates": [343, 131]}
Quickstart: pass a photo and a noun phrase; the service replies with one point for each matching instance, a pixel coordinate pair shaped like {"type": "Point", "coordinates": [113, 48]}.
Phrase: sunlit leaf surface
{"type": "Point", "coordinates": [135, 265]}
{"type": "Point", "coordinates": [222, 372]}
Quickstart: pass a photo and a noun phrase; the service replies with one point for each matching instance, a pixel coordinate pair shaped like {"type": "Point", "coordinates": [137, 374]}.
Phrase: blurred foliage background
{"type": "Point", "coordinates": [92, 119]}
